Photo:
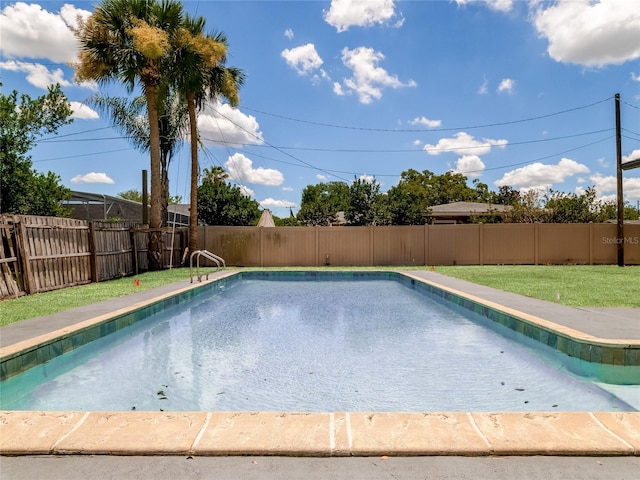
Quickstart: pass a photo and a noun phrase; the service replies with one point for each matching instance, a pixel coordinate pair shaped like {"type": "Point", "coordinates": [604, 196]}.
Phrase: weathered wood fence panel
{"type": "Point", "coordinates": [55, 252]}
{"type": "Point", "coordinates": [38, 254]}
{"type": "Point", "coordinates": [10, 272]}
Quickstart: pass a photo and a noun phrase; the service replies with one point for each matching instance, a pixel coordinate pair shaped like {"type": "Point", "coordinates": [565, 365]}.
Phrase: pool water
{"type": "Point", "coordinates": [324, 345]}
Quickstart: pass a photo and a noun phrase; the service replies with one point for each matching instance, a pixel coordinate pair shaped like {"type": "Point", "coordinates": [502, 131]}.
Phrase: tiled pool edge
{"type": "Point", "coordinates": [328, 434]}
{"type": "Point", "coordinates": [21, 356]}
{"type": "Point", "coordinates": [17, 358]}
{"type": "Point", "coordinates": [571, 342]}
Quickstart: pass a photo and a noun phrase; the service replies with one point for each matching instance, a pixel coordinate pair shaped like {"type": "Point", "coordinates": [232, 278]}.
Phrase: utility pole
{"type": "Point", "coordinates": [620, 234]}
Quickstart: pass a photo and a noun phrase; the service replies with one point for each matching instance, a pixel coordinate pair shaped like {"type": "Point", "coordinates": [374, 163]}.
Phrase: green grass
{"type": "Point", "coordinates": [576, 285]}
{"type": "Point", "coordinates": [29, 306]}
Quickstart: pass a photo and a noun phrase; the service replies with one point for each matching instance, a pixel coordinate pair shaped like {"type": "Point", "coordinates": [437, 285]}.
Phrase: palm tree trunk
{"type": "Point", "coordinates": [193, 209]}
{"type": "Point", "coordinates": [155, 216]}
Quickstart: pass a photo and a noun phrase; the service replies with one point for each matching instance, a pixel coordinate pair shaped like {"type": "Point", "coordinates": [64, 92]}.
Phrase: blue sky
{"type": "Point", "coordinates": [510, 92]}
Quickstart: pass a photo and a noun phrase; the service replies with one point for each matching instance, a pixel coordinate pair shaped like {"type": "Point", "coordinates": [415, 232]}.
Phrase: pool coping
{"type": "Point", "coordinates": [321, 433]}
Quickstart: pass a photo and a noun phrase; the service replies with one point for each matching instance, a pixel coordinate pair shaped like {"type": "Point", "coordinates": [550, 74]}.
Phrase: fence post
{"type": "Point", "coordinates": [134, 248]}
{"type": "Point", "coordinates": [590, 243]}
{"type": "Point", "coordinates": [481, 243]}
{"type": "Point", "coordinates": [317, 247]}
{"type": "Point", "coordinates": [426, 244]}
{"type": "Point", "coordinates": [371, 245]}
{"type": "Point", "coordinates": [261, 230]}
{"type": "Point", "coordinates": [93, 257]}
{"type": "Point", "coordinates": [536, 243]}
{"type": "Point", "coordinates": [23, 246]}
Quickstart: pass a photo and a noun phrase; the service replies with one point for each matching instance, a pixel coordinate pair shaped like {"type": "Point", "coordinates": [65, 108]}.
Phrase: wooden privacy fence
{"type": "Point", "coordinates": [476, 244]}
{"type": "Point", "coordinates": [38, 254]}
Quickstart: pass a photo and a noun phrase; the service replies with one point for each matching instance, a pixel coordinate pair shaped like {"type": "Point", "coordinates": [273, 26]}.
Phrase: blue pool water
{"type": "Point", "coordinates": [354, 345]}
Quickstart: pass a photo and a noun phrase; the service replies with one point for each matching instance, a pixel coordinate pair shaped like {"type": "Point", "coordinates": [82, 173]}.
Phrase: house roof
{"type": "Point", "coordinates": [266, 220]}
{"type": "Point", "coordinates": [465, 209]}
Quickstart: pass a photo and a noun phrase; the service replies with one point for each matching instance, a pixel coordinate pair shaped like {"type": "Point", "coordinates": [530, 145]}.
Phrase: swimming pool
{"type": "Point", "coordinates": [293, 342]}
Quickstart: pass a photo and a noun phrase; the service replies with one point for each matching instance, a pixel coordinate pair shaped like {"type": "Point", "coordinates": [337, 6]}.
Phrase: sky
{"type": "Point", "coordinates": [508, 92]}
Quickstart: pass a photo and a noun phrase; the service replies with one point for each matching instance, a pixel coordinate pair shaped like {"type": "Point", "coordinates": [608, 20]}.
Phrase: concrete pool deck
{"type": "Point", "coordinates": [330, 433]}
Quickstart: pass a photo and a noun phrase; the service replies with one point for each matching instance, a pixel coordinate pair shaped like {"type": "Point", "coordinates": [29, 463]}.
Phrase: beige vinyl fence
{"type": "Point", "coordinates": [476, 244]}
{"type": "Point", "coordinates": [38, 254]}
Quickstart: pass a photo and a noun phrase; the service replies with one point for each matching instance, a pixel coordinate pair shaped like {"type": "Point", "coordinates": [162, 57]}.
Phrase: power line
{"type": "Point", "coordinates": [510, 165]}
{"type": "Point", "coordinates": [448, 129]}
{"type": "Point", "coordinates": [450, 149]}
{"type": "Point", "coordinates": [278, 149]}
{"type": "Point", "coordinates": [83, 155]}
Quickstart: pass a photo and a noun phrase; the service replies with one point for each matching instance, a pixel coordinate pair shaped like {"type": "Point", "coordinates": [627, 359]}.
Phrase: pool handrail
{"type": "Point", "coordinates": [209, 256]}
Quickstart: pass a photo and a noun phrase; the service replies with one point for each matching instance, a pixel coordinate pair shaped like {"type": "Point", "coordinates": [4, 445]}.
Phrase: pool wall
{"type": "Point", "coordinates": [603, 354]}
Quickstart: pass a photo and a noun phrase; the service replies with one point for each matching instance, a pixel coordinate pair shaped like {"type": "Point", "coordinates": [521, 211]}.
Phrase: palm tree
{"type": "Point", "coordinates": [130, 41]}
{"type": "Point", "coordinates": [129, 117]}
{"type": "Point", "coordinates": [214, 175]}
{"type": "Point", "coordinates": [200, 75]}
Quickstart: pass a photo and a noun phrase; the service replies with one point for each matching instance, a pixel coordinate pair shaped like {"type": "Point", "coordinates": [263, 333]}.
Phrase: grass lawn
{"type": "Point", "coordinates": [576, 285]}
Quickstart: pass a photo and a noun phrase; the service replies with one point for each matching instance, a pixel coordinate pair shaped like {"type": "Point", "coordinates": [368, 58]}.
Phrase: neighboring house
{"type": "Point", "coordinates": [96, 206]}
{"type": "Point", "coordinates": [465, 212]}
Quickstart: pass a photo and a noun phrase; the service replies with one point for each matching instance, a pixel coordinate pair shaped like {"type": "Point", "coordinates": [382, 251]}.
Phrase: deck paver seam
{"type": "Point", "coordinates": [612, 433]}
{"type": "Point", "coordinates": [477, 428]}
{"type": "Point", "coordinates": [70, 432]}
{"type": "Point", "coordinates": [200, 434]}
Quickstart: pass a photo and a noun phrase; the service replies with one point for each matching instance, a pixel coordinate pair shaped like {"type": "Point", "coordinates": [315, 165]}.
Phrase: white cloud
{"type": "Point", "coordinates": [588, 32]}
{"type": "Point", "coordinates": [602, 184]}
{"type": "Point", "coordinates": [246, 191]}
{"type": "Point", "coordinates": [507, 85]}
{"type": "Point", "coordinates": [368, 79]}
{"type": "Point", "coordinates": [470, 166]}
{"type": "Point", "coordinates": [241, 169]}
{"type": "Point", "coordinates": [37, 75]}
{"type": "Point", "coordinates": [367, 178]}
{"type": "Point", "coordinates": [426, 122]}
{"type": "Point", "coordinates": [357, 13]}
{"type": "Point", "coordinates": [271, 203]}
{"type": "Point", "coordinates": [321, 177]}
{"type": "Point", "coordinates": [81, 111]}
{"type": "Point", "coordinates": [499, 5]}
{"type": "Point", "coordinates": [484, 88]}
{"type": "Point", "coordinates": [303, 59]}
{"type": "Point", "coordinates": [462, 142]}
{"type": "Point", "coordinates": [29, 31]}
{"type": "Point", "coordinates": [287, 189]}
{"type": "Point", "coordinates": [634, 77]}
{"type": "Point", "coordinates": [539, 176]}
{"type": "Point", "coordinates": [219, 123]}
{"type": "Point", "coordinates": [288, 33]}
{"type": "Point", "coordinates": [92, 177]}
{"type": "Point", "coordinates": [632, 156]}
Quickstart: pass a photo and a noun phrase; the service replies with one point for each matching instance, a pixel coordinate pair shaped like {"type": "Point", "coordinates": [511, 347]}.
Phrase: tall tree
{"type": "Point", "coordinates": [130, 41]}
{"type": "Point", "coordinates": [411, 199]}
{"type": "Point", "coordinates": [364, 200]}
{"type": "Point", "coordinates": [199, 75]}
{"type": "Point", "coordinates": [129, 117]}
{"type": "Point", "coordinates": [22, 121]}
{"type": "Point", "coordinates": [321, 203]}
{"type": "Point", "coordinates": [223, 204]}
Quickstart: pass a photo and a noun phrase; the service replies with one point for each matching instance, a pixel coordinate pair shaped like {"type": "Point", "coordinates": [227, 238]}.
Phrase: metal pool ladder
{"type": "Point", "coordinates": [209, 256]}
